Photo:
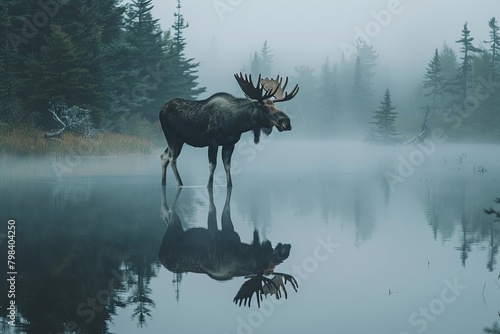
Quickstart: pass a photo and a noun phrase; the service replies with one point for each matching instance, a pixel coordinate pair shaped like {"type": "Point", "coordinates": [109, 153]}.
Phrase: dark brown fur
{"type": "Point", "coordinates": [217, 121]}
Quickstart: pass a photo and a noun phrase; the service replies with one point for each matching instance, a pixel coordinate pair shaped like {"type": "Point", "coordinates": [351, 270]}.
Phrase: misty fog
{"type": "Point", "coordinates": [361, 244]}
{"type": "Point", "coordinates": [223, 34]}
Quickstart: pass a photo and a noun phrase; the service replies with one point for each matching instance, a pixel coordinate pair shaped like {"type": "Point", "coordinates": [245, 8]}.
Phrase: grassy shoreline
{"type": "Point", "coordinates": [18, 141]}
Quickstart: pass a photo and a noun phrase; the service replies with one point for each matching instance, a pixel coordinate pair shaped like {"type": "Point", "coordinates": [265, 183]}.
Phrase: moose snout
{"type": "Point", "coordinates": [282, 251]}
{"type": "Point", "coordinates": [284, 125]}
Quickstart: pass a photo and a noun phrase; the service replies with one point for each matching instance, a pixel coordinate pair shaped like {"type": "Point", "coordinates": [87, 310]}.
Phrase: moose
{"type": "Point", "coordinates": [221, 119]}
{"type": "Point", "coordinates": [221, 255]}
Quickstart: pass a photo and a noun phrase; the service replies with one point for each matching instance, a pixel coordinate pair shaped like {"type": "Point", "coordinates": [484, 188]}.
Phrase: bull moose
{"type": "Point", "coordinates": [221, 255]}
{"type": "Point", "coordinates": [221, 119]}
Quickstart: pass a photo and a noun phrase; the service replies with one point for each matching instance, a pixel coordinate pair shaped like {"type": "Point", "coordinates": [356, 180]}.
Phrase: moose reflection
{"type": "Point", "coordinates": [221, 255]}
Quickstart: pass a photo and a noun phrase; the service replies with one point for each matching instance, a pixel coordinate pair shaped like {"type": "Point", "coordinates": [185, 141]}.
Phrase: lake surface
{"type": "Point", "coordinates": [373, 249]}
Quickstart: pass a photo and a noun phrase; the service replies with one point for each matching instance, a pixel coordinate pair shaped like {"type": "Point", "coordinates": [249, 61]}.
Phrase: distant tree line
{"type": "Point", "coordinates": [461, 94]}
{"type": "Point", "coordinates": [110, 58]}
{"type": "Point", "coordinates": [343, 92]}
{"type": "Point", "coordinates": [115, 61]}
{"type": "Point", "coordinates": [458, 91]}
{"type": "Point", "coordinates": [464, 90]}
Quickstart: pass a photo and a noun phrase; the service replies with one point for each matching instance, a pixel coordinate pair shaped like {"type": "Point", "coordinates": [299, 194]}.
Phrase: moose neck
{"type": "Point", "coordinates": [247, 117]}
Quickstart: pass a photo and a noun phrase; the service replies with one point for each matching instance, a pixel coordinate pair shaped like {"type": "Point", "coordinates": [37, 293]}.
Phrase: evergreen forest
{"type": "Point", "coordinates": [106, 68]}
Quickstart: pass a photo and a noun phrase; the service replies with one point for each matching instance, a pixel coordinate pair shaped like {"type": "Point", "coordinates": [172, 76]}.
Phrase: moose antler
{"type": "Point", "coordinates": [256, 285]}
{"type": "Point", "coordinates": [253, 92]}
{"type": "Point", "coordinates": [274, 85]}
{"type": "Point", "coordinates": [280, 280]}
{"type": "Point", "coordinates": [262, 286]}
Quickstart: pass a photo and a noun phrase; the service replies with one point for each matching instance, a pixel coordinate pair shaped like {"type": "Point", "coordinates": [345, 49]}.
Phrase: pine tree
{"type": "Point", "coordinates": [112, 50]}
{"type": "Point", "coordinates": [266, 60]}
{"type": "Point", "coordinates": [328, 93]}
{"type": "Point", "coordinates": [434, 80]}
{"type": "Point", "coordinates": [81, 21]}
{"type": "Point", "coordinates": [384, 131]}
{"type": "Point", "coordinates": [143, 32]}
{"type": "Point", "coordinates": [58, 74]}
{"type": "Point", "coordinates": [495, 46]}
{"type": "Point", "coordinates": [308, 88]}
{"type": "Point", "coordinates": [486, 112]}
{"type": "Point", "coordinates": [360, 92]}
{"type": "Point", "coordinates": [465, 68]}
{"type": "Point", "coordinates": [184, 70]}
{"type": "Point", "coordinates": [449, 65]}
{"type": "Point", "coordinates": [109, 19]}
{"type": "Point", "coordinates": [448, 61]}
{"type": "Point", "coordinates": [255, 67]}
{"type": "Point", "coordinates": [118, 70]}
{"type": "Point", "coordinates": [495, 66]}
{"type": "Point", "coordinates": [143, 39]}
{"type": "Point", "coordinates": [10, 62]}
{"type": "Point", "coordinates": [368, 58]}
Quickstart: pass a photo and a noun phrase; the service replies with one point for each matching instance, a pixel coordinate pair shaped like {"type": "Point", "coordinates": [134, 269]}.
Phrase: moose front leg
{"type": "Point", "coordinates": [165, 159]}
{"type": "Point", "coordinates": [212, 162]}
{"type": "Point", "coordinates": [170, 156]}
{"type": "Point", "coordinates": [227, 152]}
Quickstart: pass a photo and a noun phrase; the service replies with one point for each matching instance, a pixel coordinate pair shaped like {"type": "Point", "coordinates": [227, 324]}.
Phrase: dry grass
{"type": "Point", "coordinates": [27, 142]}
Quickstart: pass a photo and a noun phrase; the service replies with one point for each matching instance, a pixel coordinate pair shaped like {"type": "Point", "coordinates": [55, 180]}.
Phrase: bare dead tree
{"type": "Point", "coordinates": [74, 119]}
{"type": "Point", "coordinates": [424, 129]}
{"type": "Point", "coordinates": [491, 211]}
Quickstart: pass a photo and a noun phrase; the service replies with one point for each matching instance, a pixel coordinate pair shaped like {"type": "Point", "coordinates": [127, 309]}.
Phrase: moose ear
{"type": "Point", "coordinates": [254, 101]}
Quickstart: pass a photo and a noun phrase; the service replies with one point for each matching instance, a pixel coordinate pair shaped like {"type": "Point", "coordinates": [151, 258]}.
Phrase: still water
{"type": "Point", "coordinates": [101, 247]}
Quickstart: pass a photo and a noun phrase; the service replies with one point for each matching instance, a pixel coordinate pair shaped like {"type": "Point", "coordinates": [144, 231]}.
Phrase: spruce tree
{"type": "Point", "coordinates": [360, 91]}
{"type": "Point", "coordinates": [434, 80]}
{"type": "Point", "coordinates": [255, 67]}
{"type": "Point", "coordinates": [112, 50]}
{"type": "Point", "coordinates": [328, 93]}
{"type": "Point", "coordinates": [79, 19]}
{"type": "Point", "coordinates": [495, 47]}
{"type": "Point", "coordinates": [183, 81]}
{"type": "Point", "coordinates": [308, 97]}
{"type": "Point", "coordinates": [368, 57]}
{"type": "Point", "coordinates": [143, 32]}
{"type": "Point", "coordinates": [119, 71]}
{"type": "Point", "coordinates": [465, 67]}
{"type": "Point", "coordinates": [449, 65]}
{"type": "Point", "coordinates": [10, 61]}
{"type": "Point", "coordinates": [384, 131]}
{"type": "Point", "coordinates": [143, 39]}
{"type": "Point", "coordinates": [266, 60]}
{"type": "Point", "coordinates": [495, 66]}
{"type": "Point", "coordinates": [58, 74]}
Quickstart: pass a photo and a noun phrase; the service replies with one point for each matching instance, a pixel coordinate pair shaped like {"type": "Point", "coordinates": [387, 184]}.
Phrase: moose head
{"type": "Point", "coordinates": [265, 94]}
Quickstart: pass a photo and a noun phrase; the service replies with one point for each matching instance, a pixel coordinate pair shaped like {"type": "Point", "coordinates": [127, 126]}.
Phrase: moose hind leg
{"type": "Point", "coordinates": [227, 152]}
{"type": "Point", "coordinates": [165, 159]}
{"type": "Point", "coordinates": [212, 163]}
{"type": "Point", "coordinates": [173, 161]}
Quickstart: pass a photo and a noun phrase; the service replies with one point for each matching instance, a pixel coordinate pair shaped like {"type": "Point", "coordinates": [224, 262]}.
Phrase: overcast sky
{"type": "Point", "coordinates": [223, 33]}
